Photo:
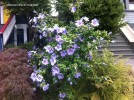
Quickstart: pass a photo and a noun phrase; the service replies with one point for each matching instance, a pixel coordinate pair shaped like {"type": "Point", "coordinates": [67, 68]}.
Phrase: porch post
{"type": "Point", "coordinates": [1, 42]}
{"type": "Point", "coordinates": [122, 1]}
{"type": "Point", "coordinates": [15, 35]}
{"type": "Point", "coordinates": [25, 34]}
{"type": "Point", "coordinates": [127, 4]}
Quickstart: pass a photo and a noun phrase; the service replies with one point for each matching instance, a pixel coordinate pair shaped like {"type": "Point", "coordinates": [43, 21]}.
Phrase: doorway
{"type": "Point", "coordinates": [20, 36]}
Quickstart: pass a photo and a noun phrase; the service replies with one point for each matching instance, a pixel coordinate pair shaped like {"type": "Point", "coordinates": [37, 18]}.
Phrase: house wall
{"type": "Point", "coordinates": [129, 11]}
{"type": "Point", "coordinates": [6, 15]}
{"type": "Point", "coordinates": [129, 16]}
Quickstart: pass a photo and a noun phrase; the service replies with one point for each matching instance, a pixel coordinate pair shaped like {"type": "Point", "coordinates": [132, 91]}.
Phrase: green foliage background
{"type": "Point", "coordinates": [109, 12]}
{"type": "Point", "coordinates": [108, 79]}
{"type": "Point", "coordinates": [43, 5]}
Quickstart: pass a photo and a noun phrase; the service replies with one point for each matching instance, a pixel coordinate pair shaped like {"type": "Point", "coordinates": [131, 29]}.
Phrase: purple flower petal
{"type": "Point", "coordinates": [49, 49]}
{"type": "Point", "coordinates": [77, 75]}
{"type": "Point", "coordinates": [41, 16]}
{"type": "Point", "coordinates": [64, 31]}
{"type": "Point", "coordinates": [89, 56]}
{"type": "Point", "coordinates": [71, 83]}
{"type": "Point", "coordinates": [58, 47]}
{"type": "Point", "coordinates": [70, 51]}
{"type": "Point", "coordinates": [95, 22]}
{"type": "Point", "coordinates": [75, 46]}
{"type": "Point", "coordinates": [46, 87]}
{"type": "Point", "coordinates": [85, 18]}
{"type": "Point", "coordinates": [29, 54]}
{"type": "Point", "coordinates": [60, 76]}
{"type": "Point", "coordinates": [39, 78]}
{"type": "Point", "coordinates": [63, 53]}
{"type": "Point", "coordinates": [79, 23]}
{"type": "Point", "coordinates": [56, 28]}
{"type": "Point", "coordinates": [81, 39]}
{"type": "Point", "coordinates": [45, 61]}
{"type": "Point", "coordinates": [73, 9]}
{"type": "Point", "coordinates": [59, 39]}
{"type": "Point", "coordinates": [55, 70]}
{"type": "Point", "coordinates": [54, 56]}
{"type": "Point", "coordinates": [53, 61]}
{"type": "Point", "coordinates": [62, 95]}
{"type": "Point", "coordinates": [33, 76]}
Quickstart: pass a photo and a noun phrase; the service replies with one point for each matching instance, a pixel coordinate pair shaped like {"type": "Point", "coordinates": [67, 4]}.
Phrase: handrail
{"type": "Point", "coordinates": [128, 32]}
{"type": "Point", "coordinates": [129, 10]}
{"type": "Point", "coordinates": [7, 30]}
{"type": "Point", "coordinates": [5, 25]}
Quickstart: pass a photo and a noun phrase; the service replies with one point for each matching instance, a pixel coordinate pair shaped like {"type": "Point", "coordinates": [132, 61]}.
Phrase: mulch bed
{"type": "Point", "coordinates": [15, 83]}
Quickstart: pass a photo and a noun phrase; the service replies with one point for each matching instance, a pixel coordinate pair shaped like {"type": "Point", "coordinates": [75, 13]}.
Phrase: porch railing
{"type": "Point", "coordinates": [7, 29]}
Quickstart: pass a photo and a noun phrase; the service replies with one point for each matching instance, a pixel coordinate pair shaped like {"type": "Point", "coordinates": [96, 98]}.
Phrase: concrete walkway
{"type": "Point", "coordinates": [131, 62]}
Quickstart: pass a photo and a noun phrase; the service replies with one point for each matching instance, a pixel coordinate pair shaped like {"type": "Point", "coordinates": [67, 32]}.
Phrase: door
{"type": "Point", "coordinates": [1, 42]}
{"type": "Point", "coordinates": [20, 36]}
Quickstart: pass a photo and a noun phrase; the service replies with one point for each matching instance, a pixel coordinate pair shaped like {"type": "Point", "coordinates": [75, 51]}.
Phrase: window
{"type": "Point", "coordinates": [131, 1]}
{"type": "Point", "coordinates": [131, 4]}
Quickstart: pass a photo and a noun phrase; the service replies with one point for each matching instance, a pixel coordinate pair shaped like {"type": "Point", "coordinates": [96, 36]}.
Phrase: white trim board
{"type": "Point", "coordinates": [2, 15]}
{"type": "Point", "coordinates": [128, 32]}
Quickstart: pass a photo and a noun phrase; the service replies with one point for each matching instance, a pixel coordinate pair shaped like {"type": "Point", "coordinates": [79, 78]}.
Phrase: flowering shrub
{"type": "Point", "coordinates": [65, 60]}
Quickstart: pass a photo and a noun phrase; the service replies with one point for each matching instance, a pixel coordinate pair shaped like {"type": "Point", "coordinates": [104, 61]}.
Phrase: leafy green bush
{"type": "Point", "coordinates": [110, 78]}
{"type": "Point", "coordinates": [10, 46]}
{"type": "Point", "coordinates": [109, 12]}
{"type": "Point", "coordinates": [27, 46]}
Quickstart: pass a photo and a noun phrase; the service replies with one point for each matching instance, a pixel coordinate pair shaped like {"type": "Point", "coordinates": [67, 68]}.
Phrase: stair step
{"type": "Point", "coordinates": [132, 26]}
{"type": "Point", "coordinates": [118, 37]}
{"type": "Point", "coordinates": [115, 43]}
{"type": "Point", "coordinates": [117, 47]}
{"type": "Point", "coordinates": [121, 43]}
{"type": "Point", "coordinates": [119, 40]}
{"type": "Point", "coordinates": [120, 51]}
{"type": "Point", "coordinates": [130, 56]}
{"type": "Point", "coordinates": [120, 46]}
{"type": "Point", "coordinates": [118, 34]}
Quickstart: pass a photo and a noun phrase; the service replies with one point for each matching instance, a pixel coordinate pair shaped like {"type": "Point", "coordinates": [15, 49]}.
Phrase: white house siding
{"type": "Point", "coordinates": [129, 16]}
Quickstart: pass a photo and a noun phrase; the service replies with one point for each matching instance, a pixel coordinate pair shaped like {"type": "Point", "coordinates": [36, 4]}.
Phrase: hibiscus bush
{"type": "Point", "coordinates": [63, 62]}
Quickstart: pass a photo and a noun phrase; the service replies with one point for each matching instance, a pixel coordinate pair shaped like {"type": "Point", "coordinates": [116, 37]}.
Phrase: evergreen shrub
{"type": "Point", "coordinates": [110, 13]}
